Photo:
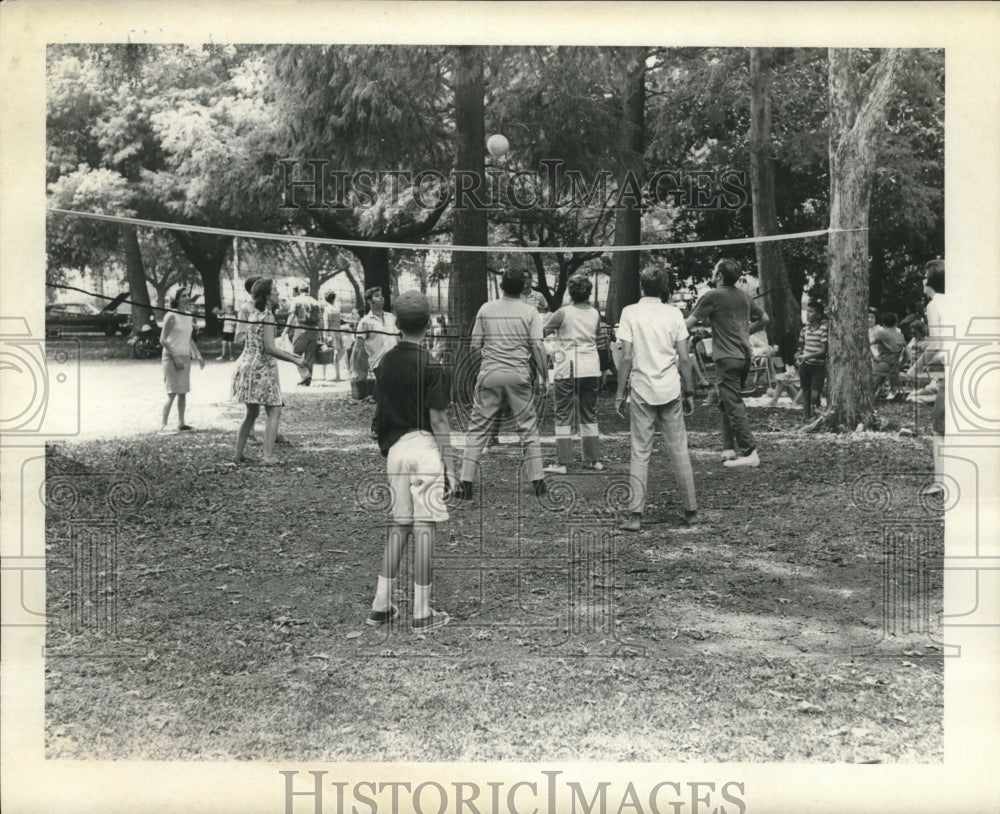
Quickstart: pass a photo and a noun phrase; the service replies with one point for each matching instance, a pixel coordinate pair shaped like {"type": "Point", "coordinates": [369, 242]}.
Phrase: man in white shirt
{"type": "Point", "coordinates": [656, 369]}
{"type": "Point", "coordinates": [377, 329]}
{"type": "Point", "coordinates": [940, 325]}
{"type": "Point", "coordinates": [531, 297]}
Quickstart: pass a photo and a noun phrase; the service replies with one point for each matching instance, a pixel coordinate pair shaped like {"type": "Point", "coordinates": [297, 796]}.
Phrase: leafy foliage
{"type": "Point", "coordinates": [197, 133]}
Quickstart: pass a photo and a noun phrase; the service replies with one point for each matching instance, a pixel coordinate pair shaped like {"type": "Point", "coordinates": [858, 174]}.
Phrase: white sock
{"type": "Point", "coordinates": [383, 594]}
{"type": "Point", "coordinates": [421, 601]}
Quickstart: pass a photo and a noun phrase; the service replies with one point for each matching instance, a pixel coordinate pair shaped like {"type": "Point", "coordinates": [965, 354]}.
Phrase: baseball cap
{"type": "Point", "coordinates": [412, 309]}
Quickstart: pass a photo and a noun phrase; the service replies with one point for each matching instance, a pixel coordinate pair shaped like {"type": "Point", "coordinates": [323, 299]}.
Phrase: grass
{"type": "Point", "coordinates": [241, 596]}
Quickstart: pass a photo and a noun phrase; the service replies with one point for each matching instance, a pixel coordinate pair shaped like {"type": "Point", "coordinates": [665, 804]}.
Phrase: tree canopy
{"type": "Point", "coordinates": [213, 135]}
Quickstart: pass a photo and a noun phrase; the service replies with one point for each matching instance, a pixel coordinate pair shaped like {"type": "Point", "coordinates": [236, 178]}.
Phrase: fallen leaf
{"type": "Point", "coordinates": [356, 634]}
{"type": "Point", "coordinates": [805, 706]}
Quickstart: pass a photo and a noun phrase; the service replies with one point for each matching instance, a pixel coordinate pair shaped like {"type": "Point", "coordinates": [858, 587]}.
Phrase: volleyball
{"type": "Point", "coordinates": [497, 145]}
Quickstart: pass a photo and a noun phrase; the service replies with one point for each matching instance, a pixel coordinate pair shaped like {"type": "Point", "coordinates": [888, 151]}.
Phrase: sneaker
{"type": "Point", "coordinates": [597, 466]}
{"type": "Point", "coordinates": [690, 518]}
{"type": "Point", "coordinates": [185, 428]}
{"type": "Point", "coordinates": [555, 469]}
{"type": "Point", "coordinates": [932, 489]}
{"type": "Point", "coordinates": [377, 617]}
{"type": "Point", "coordinates": [464, 491]}
{"type": "Point", "coordinates": [540, 487]}
{"type": "Point", "coordinates": [435, 620]}
{"type": "Point", "coordinates": [750, 459]}
{"type": "Point", "coordinates": [729, 455]}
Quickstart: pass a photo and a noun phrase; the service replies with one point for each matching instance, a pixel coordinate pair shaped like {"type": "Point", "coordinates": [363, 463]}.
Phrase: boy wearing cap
{"type": "Point", "coordinates": [411, 425]}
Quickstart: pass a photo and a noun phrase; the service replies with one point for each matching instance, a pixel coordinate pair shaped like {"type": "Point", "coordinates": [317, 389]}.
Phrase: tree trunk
{"type": "Point", "coordinates": [624, 286]}
{"type": "Point", "coordinates": [857, 113]}
{"type": "Point", "coordinates": [467, 288]}
{"type": "Point", "coordinates": [359, 294]}
{"type": "Point", "coordinates": [375, 263]}
{"type": "Point", "coordinates": [136, 278]}
{"type": "Point", "coordinates": [780, 304]}
{"type": "Point", "coordinates": [207, 253]}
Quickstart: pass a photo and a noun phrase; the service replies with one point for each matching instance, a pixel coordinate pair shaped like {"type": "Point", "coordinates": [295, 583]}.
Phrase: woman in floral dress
{"type": "Point", "coordinates": [255, 381]}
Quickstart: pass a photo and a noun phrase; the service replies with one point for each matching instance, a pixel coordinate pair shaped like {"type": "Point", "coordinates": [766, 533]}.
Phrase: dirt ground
{"type": "Point", "coordinates": [230, 623]}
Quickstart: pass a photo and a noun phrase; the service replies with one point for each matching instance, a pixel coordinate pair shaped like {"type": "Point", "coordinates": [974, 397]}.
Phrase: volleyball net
{"type": "Point", "coordinates": [327, 262]}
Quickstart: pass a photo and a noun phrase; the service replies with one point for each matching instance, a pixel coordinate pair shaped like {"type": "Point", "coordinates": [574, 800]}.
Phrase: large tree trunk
{"type": "Point", "coordinates": [359, 294]}
{"type": "Point", "coordinates": [136, 278]}
{"type": "Point", "coordinates": [857, 113]}
{"type": "Point", "coordinates": [375, 263]}
{"type": "Point", "coordinates": [467, 289]}
{"type": "Point", "coordinates": [780, 304]}
{"type": "Point", "coordinates": [207, 253]}
{"type": "Point", "coordinates": [624, 287]}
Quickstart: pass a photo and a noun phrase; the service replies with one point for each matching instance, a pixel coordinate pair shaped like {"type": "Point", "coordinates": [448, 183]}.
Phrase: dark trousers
{"type": "Point", "coordinates": [736, 434]}
{"type": "Point", "coordinates": [811, 377]}
{"type": "Point", "coordinates": [937, 417]}
{"type": "Point", "coordinates": [375, 398]}
{"type": "Point", "coordinates": [306, 343]}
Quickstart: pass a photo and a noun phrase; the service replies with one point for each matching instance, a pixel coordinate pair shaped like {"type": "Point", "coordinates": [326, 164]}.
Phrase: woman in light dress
{"type": "Point", "coordinates": [179, 350]}
{"type": "Point", "coordinates": [255, 380]}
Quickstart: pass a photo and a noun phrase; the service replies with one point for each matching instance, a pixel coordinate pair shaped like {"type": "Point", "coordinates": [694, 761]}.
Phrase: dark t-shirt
{"type": "Point", "coordinates": [729, 312]}
{"type": "Point", "coordinates": [411, 383]}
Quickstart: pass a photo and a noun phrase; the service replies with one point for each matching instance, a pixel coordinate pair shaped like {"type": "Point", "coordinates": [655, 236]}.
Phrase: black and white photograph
{"type": "Point", "coordinates": [500, 407]}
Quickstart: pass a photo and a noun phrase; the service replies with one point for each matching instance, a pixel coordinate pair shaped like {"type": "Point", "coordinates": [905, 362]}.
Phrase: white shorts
{"type": "Point", "coordinates": [416, 479]}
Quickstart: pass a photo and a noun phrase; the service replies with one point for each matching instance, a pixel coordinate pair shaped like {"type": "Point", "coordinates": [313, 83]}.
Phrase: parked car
{"type": "Point", "coordinates": [82, 316]}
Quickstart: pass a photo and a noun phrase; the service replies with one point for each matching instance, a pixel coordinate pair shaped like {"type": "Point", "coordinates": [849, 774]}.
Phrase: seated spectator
{"type": "Point", "coordinates": [759, 345]}
{"type": "Point", "coordinates": [873, 326]}
{"type": "Point", "coordinates": [915, 377]}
